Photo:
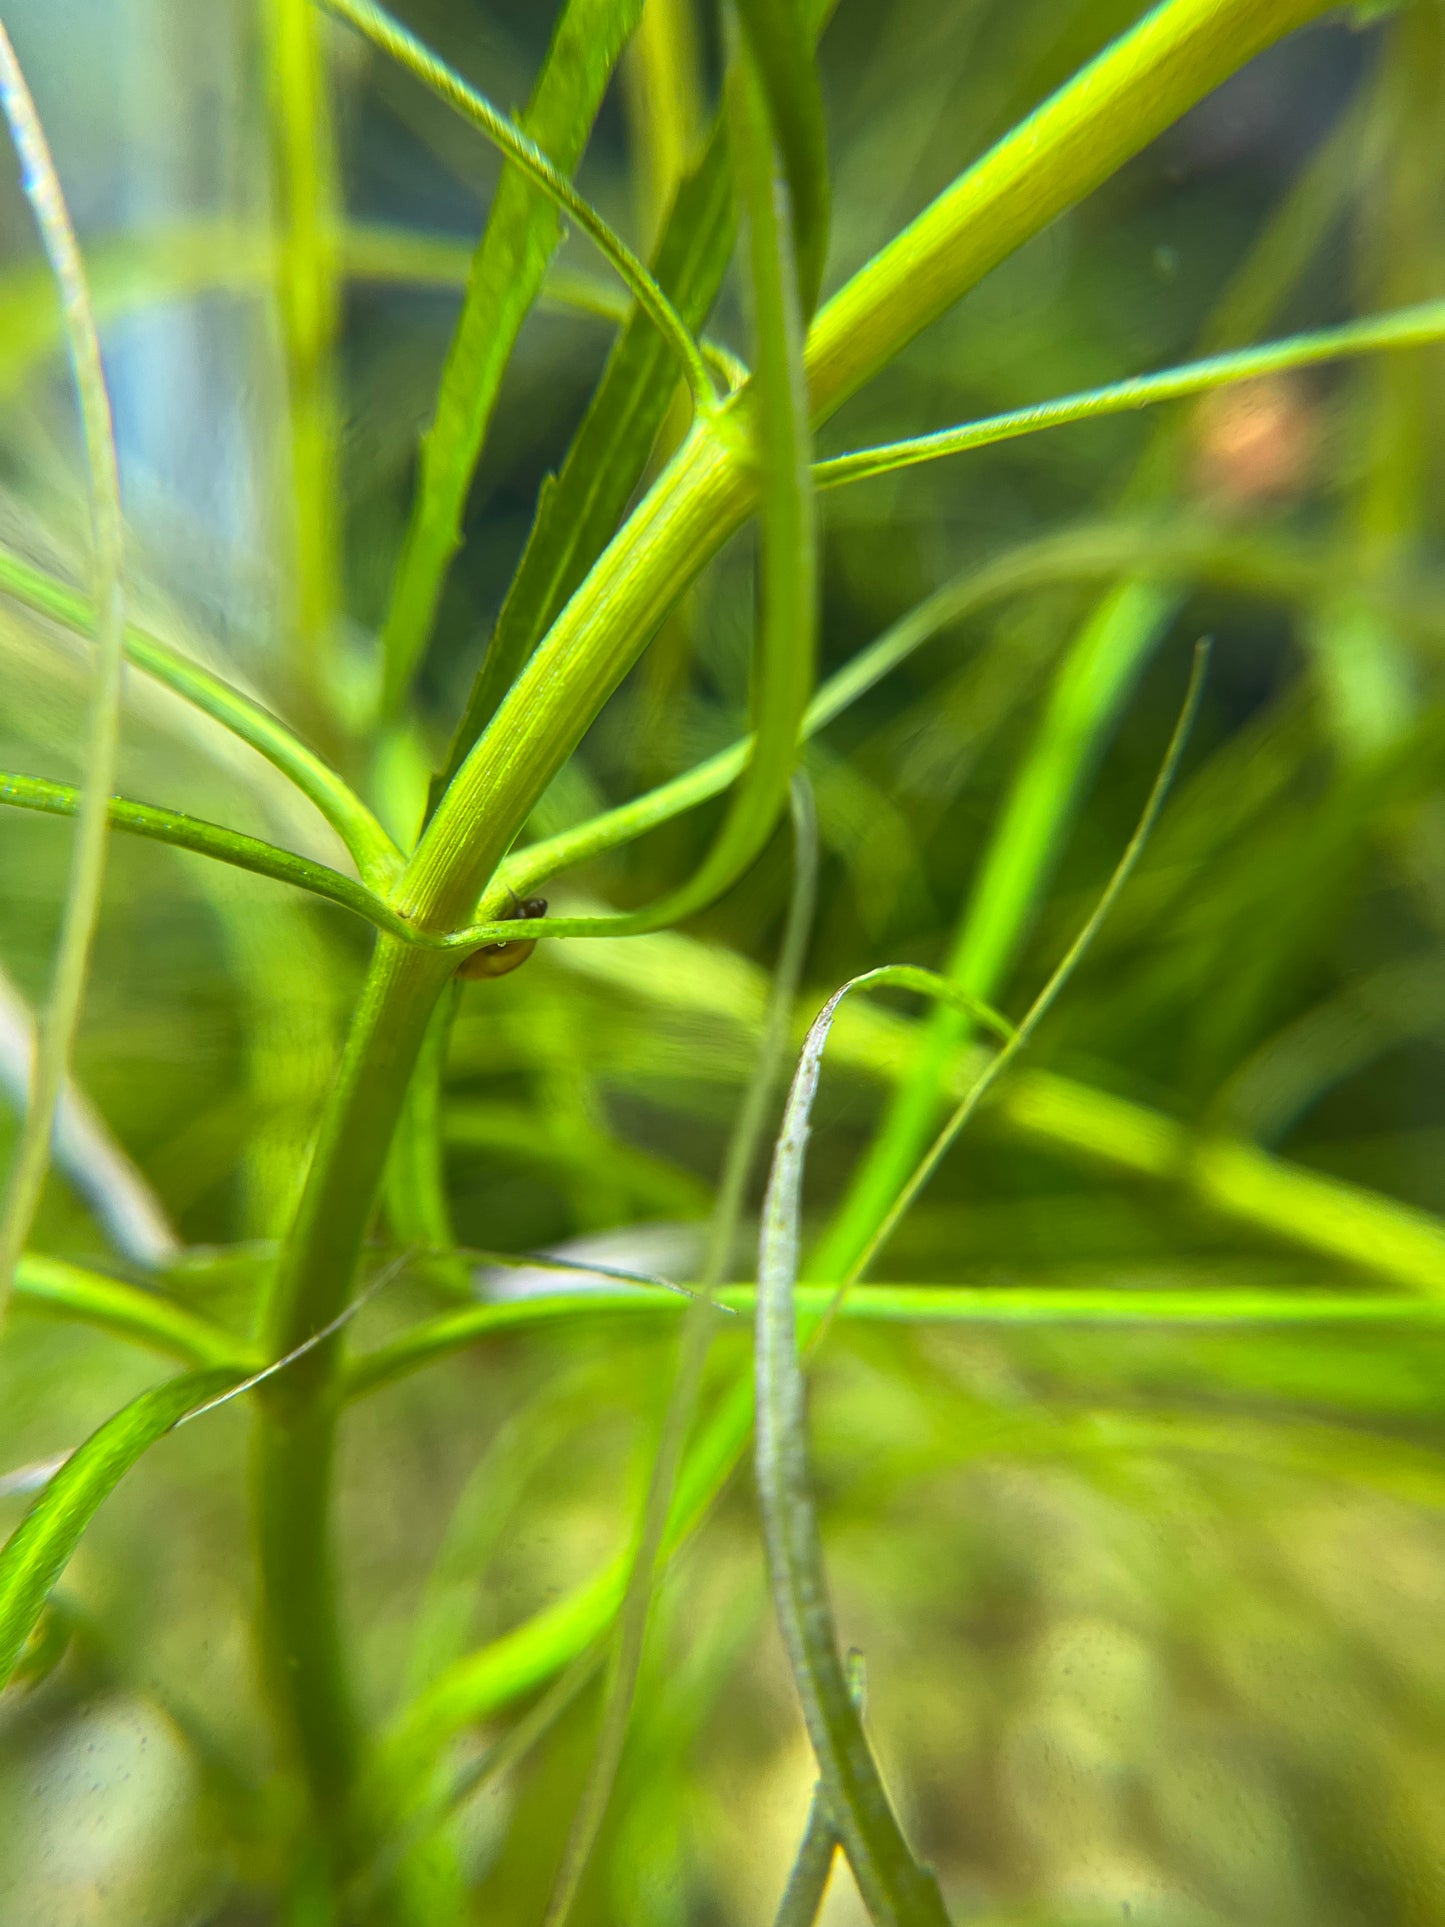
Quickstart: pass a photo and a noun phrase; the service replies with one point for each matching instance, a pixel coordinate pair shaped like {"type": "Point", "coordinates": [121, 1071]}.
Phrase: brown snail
{"type": "Point", "coordinates": [496, 959]}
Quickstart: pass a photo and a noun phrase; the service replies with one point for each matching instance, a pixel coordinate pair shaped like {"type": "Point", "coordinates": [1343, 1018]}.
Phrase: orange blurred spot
{"type": "Point", "coordinates": [1255, 442]}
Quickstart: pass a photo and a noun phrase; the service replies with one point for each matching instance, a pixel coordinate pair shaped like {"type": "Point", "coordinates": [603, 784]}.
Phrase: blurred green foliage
{"type": "Point", "coordinates": [1150, 1610]}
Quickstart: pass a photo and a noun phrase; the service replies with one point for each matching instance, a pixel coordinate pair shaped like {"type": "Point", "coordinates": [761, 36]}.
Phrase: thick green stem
{"type": "Point", "coordinates": [297, 1414]}
{"type": "Point", "coordinates": [1109, 111]}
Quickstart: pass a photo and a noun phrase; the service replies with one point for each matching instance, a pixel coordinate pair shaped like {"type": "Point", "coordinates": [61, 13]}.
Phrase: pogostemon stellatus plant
{"type": "Point", "coordinates": [614, 546]}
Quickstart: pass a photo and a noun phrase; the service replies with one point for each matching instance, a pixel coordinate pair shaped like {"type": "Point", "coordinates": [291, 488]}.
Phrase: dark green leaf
{"type": "Point", "coordinates": [520, 239]}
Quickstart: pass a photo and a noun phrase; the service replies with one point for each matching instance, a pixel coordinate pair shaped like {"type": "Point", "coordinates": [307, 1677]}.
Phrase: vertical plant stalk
{"type": "Point", "coordinates": [308, 296]}
{"type": "Point", "coordinates": [61, 1017]}
{"type": "Point", "coordinates": [662, 78]}
{"type": "Point", "coordinates": [296, 1413]}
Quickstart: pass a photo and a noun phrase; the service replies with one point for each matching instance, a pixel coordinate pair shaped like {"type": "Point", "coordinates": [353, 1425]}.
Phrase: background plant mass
{"type": "Point", "coordinates": [542, 1424]}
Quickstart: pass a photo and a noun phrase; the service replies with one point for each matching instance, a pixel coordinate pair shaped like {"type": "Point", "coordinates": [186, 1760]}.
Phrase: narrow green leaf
{"type": "Point", "coordinates": [521, 235]}
{"type": "Point", "coordinates": [1413, 327]}
{"type": "Point", "coordinates": [206, 839]}
{"type": "Point", "coordinates": [376, 856]}
{"type": "Point", "coordinates": [781, 48]}
{"type": "Point", "coordinates": [150, 1318]}
{"type": "Point", "coordinates": [61, 1017]}
{"type": "Point", "coordinates": [39, 1549]}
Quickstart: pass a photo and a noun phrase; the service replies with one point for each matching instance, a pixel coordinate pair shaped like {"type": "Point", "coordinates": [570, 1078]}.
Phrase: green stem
{"type": "Point", "coordinates": [1413, 327]}
{"type": "Point", "coordinates": [297, 1411]}
{"type": "Point", "coordinates": [1138, 86]}
{"type": "Point", "coordinates": [205, 839]}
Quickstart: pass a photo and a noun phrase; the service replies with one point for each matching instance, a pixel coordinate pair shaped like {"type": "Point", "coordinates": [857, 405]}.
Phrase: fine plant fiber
{"type": "Point", "coordinates": [1060, 976]}
{"type": "Point", "coordinates": [60, 1018]}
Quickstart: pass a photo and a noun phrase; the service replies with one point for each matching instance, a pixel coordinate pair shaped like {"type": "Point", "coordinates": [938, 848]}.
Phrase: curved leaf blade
{"type": "Point", "coordinates": [40, 1548]}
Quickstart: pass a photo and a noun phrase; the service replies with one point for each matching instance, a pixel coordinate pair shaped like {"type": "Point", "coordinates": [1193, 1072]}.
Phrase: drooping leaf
{"type": "Point", "coordinates": [206, 839]}
{"type": "Point", "coordinates": [39, 1549]}
{"type": "Point", "coordinates": [375, 854]}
